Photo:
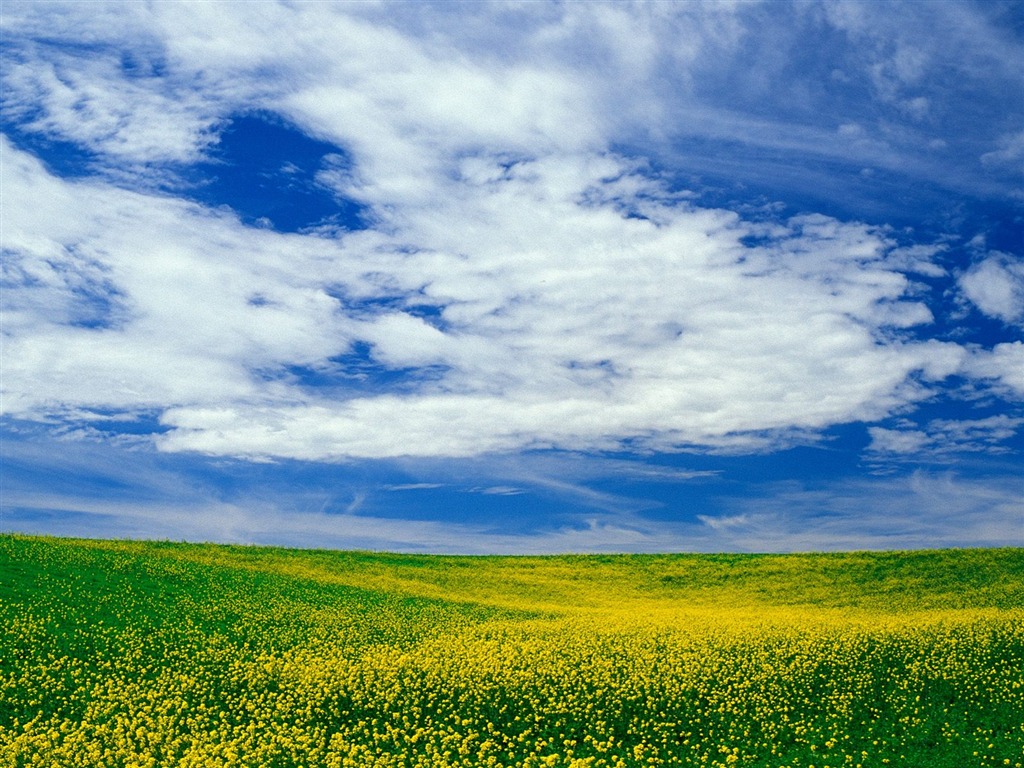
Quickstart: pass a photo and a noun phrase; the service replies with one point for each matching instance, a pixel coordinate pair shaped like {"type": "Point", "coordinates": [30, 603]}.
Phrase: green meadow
{"type": "Point", "coordinates": [125, 653]}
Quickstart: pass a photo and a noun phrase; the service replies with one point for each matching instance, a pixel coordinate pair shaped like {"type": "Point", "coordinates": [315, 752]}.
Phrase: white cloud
{"type": "Point", "coordinates": [899, 441]}
{"type": "Point", "coordinates": [565, 75]}
{"type": "Point", "coordinates": [917, 259]}
{"type": "Point", "coordinates": [564, 322]}
{"type": "Point", "coordinates": [996, 287]}
{"type": "Point", "coordinates": [108, 89]}
{"type": "Point", "coordinates": [181, 328]}
{"type": "Point", "coordinates": [1003, 364]}
{"type": "Point", "coordinates": [578, 302]}
{"type": "Point", "coordinates": [83, 100]}
{"type": "Point", "coordinates": [945, 437]}
{"type": "Point", "coordinates": [591, 328]}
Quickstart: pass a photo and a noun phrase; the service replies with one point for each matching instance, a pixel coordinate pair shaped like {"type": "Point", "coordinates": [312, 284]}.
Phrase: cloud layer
{"type": "Point", "coordinates": [563, 312]}
{"type": "Point", "coordinates": [569, 234]}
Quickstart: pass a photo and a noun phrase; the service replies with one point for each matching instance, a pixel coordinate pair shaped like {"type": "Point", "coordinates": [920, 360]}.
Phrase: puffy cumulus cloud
{"type": "Point", "coordinates": [996, 287]}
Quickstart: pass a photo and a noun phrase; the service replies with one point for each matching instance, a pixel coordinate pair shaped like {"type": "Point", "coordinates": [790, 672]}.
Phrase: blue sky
{"type": "Point", "coordinates": [515, 277]}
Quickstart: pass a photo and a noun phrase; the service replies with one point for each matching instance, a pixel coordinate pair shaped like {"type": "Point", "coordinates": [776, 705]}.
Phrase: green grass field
{"type": "Point", "coordinates": [163, 654]}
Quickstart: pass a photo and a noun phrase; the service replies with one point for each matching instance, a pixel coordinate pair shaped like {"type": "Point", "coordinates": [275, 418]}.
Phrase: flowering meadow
{"type": "Point", "coordinates": [163, 654]}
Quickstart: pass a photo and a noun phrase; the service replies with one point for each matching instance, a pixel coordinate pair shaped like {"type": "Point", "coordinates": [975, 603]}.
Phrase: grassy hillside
{"type": "Point", "coordinates": [162, 654]}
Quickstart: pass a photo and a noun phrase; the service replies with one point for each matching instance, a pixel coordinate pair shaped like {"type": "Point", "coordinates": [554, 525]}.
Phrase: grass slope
{"type": "Point", "coordinates": [161, 654]}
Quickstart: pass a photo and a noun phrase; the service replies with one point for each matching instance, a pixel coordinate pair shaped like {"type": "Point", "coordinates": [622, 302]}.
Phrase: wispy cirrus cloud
{"type": "Point", "coordinates": [922, 509]}
{"type": "Point", "coordinates": [919, 510]}
{"type": "Point", "coordinates": [945, 437]}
